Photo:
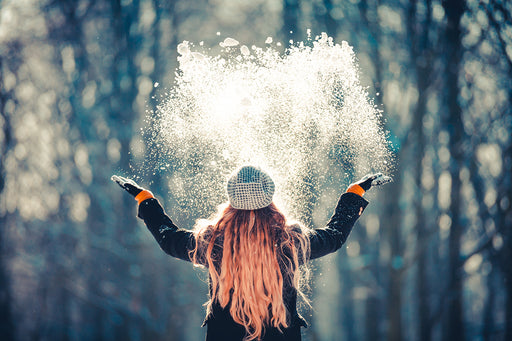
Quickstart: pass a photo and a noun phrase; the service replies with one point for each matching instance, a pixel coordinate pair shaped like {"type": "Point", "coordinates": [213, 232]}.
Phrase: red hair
{"type": "Point", "coordinates": [249, 255]}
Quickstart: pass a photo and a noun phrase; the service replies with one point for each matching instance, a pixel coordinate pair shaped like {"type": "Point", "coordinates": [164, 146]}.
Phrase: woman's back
{"type": "Point", "coordinates": [253, 260]}
{"type": "Point", "coordinates": [253, 256]}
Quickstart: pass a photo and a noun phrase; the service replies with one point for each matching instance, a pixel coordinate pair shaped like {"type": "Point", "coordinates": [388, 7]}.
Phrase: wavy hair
{"type": "Point", "coordinates": [250, 254]}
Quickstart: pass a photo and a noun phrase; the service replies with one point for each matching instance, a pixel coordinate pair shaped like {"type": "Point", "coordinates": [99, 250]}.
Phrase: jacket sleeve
{"type": "Point", "coordinates": [175, 241]}
{"type": "Point", "coordinates": [330, 238]}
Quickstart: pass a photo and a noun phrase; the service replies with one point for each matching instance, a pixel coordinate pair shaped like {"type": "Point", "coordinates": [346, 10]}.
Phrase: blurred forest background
{"type": "Point", "coordinates": [431, 258]}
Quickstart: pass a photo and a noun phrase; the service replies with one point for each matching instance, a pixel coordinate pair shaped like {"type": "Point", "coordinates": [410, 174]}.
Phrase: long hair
{"type": "Point", "coordinates": [250, 254]}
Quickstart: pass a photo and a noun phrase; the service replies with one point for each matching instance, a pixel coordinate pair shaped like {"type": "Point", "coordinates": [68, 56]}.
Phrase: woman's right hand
{"type": "Point", "coordinates": [370, 180]}
{"type": "Point", "coordinates": [367, 182]}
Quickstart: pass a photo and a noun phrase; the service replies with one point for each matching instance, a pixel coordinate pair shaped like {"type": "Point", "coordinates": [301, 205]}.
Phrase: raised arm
{"type": "Point", "coordinates": [349, 208]}
{"type": "Point", "coordinates": [175, 241]}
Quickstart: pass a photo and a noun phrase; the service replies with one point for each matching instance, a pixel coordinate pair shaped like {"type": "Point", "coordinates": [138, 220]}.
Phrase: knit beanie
{"type": "Point", "coordinates": [250, 188]}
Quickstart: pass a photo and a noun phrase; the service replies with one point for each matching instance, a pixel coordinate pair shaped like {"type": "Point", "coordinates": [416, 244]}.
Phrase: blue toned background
{"type": "Point", "coordinates": [429, 260]}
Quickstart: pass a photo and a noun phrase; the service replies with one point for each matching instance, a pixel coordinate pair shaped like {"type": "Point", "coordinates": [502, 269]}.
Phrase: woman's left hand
{"type": "Point", "coordinates": [127, 184]}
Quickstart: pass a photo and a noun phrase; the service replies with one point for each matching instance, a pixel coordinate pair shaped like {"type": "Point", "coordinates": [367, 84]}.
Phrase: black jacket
{"type": "Point", "coordinates": [177, 242]}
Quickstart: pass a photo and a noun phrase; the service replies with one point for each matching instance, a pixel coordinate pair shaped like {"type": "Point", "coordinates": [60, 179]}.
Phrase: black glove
{"type": "Point", "coordinates": [370, 180]}
{"type": "Point", "coordinates": [127, 184]}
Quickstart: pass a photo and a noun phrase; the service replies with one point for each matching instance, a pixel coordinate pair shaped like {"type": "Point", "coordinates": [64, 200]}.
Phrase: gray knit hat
{"type": "Point", "coordinates": [250, 188]}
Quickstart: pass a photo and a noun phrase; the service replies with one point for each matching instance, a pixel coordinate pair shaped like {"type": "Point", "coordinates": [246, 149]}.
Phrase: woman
{"type": "Point", "coordinates": [252, 253]}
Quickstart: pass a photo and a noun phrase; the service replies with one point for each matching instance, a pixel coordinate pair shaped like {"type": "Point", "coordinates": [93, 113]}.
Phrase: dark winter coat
{"type": "Point", "coordinates": [177, 242]}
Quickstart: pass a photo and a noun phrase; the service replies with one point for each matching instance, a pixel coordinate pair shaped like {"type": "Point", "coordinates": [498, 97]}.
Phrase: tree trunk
{"type": "Point", "coordinates": [128, 43]}
{"type": "Point", "coordinates": [422, 233]}
{"type": "Point", "coordinates": [504, 204]}
{"type": "Point", "coordinates": [91, 314]}
{"type": "Point", "coordinates": [489, 307]}
{"type": "Point", "coordinates": [454, 10]}
{"type": "Point", "coordinates": [373, 303]}
{"type": "Point", "coordinates": [291, 13]}
{"type": "Point", "coordinates": [331, 25]}
{"type": "Point", "coordinates": [394, 304]}
{"type": "Point", "coordinates": [347, 313]}
{"type": "Point", "coordinates": [323, 16]}
{"type": "Point", "coordinates": [420, 53]}
{"type": "Point", "coordinates": [6, 326]}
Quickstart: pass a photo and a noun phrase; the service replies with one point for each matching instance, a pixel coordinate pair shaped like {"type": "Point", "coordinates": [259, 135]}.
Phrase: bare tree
{"type": "Point", "coordinates": [291, 16]}
{"type": "Point", "coordinates": [418, 29]}
{"type": "Point", "coordinates": [454, 329]}
{"type": "Point", "coordinates": [324, 17]}
{"type": "Point", "coordinates": [6, 145]}
{"type": "Point", "coordinates": [495, 10]}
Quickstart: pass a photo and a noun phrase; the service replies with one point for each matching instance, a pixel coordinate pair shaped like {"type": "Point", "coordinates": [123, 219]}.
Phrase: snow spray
{"type": "Point", "coordinates": [301, 114]}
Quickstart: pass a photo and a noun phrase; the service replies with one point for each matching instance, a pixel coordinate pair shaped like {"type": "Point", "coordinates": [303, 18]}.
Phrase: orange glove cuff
{"type": "Point", "coordinates": [144, 195]}
{"type": "Point", "coordinates": [355, 188]}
